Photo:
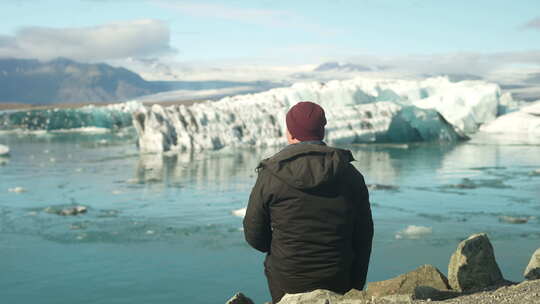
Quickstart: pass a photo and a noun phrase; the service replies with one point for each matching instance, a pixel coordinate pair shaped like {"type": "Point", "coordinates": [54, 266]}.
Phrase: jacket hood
{"type": "Point", "coordinates": [307, 166]}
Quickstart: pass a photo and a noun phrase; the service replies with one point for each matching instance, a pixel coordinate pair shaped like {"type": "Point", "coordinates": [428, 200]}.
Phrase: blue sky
{"type": "Point", "coordinates": [273, 31]}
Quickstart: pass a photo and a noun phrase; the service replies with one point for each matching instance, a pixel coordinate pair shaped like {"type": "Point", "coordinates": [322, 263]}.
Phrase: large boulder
{"type": "Point", "coordinates": [473, 265]}
{"type": "Point", "coordinates": [532, 272]}
{"type": "Point", "coordinates": [422, 283]}
{"type": "Point", "coordinates": [239, 298]}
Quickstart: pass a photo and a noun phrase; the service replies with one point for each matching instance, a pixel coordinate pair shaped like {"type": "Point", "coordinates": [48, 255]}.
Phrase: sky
{"type": "Point", "coordinates": [274, 32]}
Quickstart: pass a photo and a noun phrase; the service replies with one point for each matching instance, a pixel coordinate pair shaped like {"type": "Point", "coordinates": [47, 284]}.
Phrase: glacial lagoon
{"type": "Point", "coordinates": [163, 229]}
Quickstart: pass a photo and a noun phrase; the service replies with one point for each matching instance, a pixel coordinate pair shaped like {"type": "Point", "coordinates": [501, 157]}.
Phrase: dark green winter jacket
{"type": "Point", "coordinates": [309, 210]}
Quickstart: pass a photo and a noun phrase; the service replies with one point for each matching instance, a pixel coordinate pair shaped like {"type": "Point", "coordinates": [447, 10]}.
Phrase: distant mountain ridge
{"type": "Point", "coordinates": [336, 66]}
{"type": "Point", "coordinates": [66, 81]}
{"type": "Point", "coordinates": [63, 80]}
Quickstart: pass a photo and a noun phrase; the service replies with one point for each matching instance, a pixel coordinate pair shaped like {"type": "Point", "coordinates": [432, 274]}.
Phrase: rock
{"type": "Point", "coordinates": [321, 296]}
{"type": "Point", "coordinates": [408, 283]}
{"type": "Point", "coordinates": [4, 150]}
{"type": "Point", "coordinates": [473, 265]}
{"type": "Point", "coordinates": [532, 272]}
{"type": "Point", "coordinates": [239, 298]}
{"type": "Point", "coordinates": [73, 210]}
{"type": "Point", "coordinates": [426, 292]}
{"type": "Point", "coordinates": [356, 295]}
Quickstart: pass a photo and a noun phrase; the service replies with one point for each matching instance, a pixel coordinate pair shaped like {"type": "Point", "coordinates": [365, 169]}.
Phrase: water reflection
{"type": "Point", "coordinates": [379, 163]}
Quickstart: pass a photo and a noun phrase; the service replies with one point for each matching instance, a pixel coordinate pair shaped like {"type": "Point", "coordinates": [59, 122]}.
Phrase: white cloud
{"type": "Point", "coordinates": [104, 42]}
{"type": "Point", "coordinates": [464, 62]}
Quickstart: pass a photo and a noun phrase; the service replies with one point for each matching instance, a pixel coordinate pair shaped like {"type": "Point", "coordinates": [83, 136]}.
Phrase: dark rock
{"type": "Point", "coordinates": [473, 265]}
{"type": "Point", "coordinates": [239, 298]}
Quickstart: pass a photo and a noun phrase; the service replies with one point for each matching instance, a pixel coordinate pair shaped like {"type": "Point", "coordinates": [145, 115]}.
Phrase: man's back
{"type": "Point", "coordinates": [309, 209]}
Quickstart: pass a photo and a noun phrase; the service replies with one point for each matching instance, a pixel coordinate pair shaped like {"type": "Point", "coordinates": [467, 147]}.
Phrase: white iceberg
{"type": "Point", "coordinates": [4, 150]}
{"type": "Point", "coordinates": [358, 110]}
{"type": "Point", "coordinates": [413, 232]}
{"type": "Point", "coordinates": [525, 121]}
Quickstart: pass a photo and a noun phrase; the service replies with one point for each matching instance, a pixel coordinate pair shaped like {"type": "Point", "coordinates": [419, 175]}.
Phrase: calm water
{"type": "Point", "coordinates": [161, 229]}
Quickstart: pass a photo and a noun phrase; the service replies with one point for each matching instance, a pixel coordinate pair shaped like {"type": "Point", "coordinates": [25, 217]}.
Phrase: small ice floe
{"type": "Point", "coordinates": [75, 210]}
{"type": "Point", "coordinates": [535, 172]}
{"type": "Point", "coordinates": [103, 142]}
{"type": "Point", "coordinates": [17, 190]}
{"type": "Point", "coordinates": [413, 232]}
{"type": "Point", "coordinates": [116, 192]}
{"type": "Point", "coordinates": [239, 212]}
{"type": "Point", "coordinates": [382, 187]}
{"type": "Point", "coordinates": [515, 219]}
{"type": "Point", "coordinates": [52, 160]}
{"type": "Point", "coordinates": [150, 232]}
{"type": "Point", "coordinates": [79, 170]}
{"type": "Point", "coordinates": [77, 226]}
{"type": "Point", "coordinates": [132, 181]}
{"type": "Point", "coordinates": [4, 150]}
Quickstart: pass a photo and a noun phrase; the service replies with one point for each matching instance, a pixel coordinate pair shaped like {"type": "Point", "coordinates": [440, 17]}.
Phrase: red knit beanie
{"type": "Point", "coordinates": [306, 121]}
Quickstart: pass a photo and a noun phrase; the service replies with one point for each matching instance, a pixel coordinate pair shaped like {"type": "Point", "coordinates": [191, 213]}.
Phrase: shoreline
{"type": "Point", "coordinates": [29, 107]}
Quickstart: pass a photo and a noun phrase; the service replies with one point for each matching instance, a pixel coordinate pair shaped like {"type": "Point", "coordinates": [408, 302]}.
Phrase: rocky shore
{"type": "Point", "coordinates": [473, 277]}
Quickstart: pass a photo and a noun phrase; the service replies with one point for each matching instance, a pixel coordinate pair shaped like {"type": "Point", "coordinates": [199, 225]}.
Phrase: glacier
{"type": "Point", "coordinates": [88, 117]}
{"type": "Point", "coordinates": [359, 110]}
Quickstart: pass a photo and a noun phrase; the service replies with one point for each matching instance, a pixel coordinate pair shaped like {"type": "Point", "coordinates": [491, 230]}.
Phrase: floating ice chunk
{"type": "Point", "coordinates": [239, 212]}
{"type": "Point", "coordinates": [514, 219]}
{"type": "Point", "coordinates": [73, 210]}
{"type": "Point", "coordinates": [4, 150]}
{"type": "Point", "coordinates": [17, 190]}
{"type": "Point", "coordinates": [413, 232]}
{"type": "Point", "coordinates": [86, 130]}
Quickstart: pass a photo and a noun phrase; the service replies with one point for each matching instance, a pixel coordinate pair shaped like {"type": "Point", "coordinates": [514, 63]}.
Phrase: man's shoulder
{"type": "Point", "coordinates": [295, 150]}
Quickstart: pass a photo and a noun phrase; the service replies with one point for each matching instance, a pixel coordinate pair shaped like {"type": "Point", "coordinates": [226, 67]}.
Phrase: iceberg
{"type": "Point", "coordinates": [4, 150]}
{"type": "Point", "coordinates": [525, 121]}
{"type": "Point", "coordinates": [413, 232]}
{"type": "Point", "coordinates": [359, 110]}
{"type": "Point", "coordinates": [85, 118]}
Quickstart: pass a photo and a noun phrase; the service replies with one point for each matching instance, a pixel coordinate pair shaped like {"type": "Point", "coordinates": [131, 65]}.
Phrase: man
{"type": "Point", "coordinates": [309, 211]}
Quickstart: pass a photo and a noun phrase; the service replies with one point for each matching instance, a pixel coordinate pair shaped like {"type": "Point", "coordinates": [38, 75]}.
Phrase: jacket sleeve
{"type": "Point", "coordinates": [362, 232]}
{"type": "Point", "coordinates": [257, 230]}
